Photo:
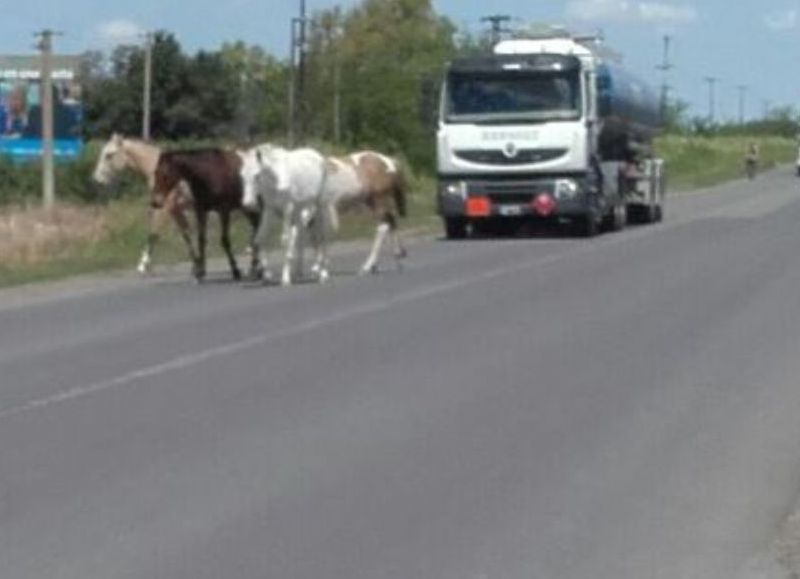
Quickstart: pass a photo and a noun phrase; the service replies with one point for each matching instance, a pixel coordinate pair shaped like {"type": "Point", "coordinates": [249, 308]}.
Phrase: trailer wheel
{"type": "Point", "coordinates": [455, 227]}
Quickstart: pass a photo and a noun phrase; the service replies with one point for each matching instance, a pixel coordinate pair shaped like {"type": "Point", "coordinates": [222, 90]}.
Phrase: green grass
{"type": "Point", "coordinates": [696, 162]}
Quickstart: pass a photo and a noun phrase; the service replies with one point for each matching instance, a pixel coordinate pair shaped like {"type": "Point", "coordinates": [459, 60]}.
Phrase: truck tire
{"type": "Point", "coordinates": [455, 227]}
{"type": "Point", "coordinates": [587, 226]}
{"type": "Point", "coordinates": [617, 219]}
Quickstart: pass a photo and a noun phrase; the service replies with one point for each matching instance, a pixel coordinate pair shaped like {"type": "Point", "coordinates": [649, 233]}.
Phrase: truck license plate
{"type": "Point", "coordinates": [510, 210]}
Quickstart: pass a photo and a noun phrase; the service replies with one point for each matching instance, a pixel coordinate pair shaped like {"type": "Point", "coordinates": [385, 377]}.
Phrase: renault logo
{"type": "Point", "coordinates": [510, 150]}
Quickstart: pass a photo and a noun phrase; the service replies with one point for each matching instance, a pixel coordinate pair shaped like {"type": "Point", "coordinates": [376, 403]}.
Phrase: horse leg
{"type": "Point", "coordinates": [288, 260]}
{"type": "Point", "coordinates": [320, 227]}
{"type": "Point", "coordinates": [257, 261]}
{"type": "Point", "coordinates": [371, 264]}
{"type": "Point", "coordinates": [179, 217]}
{"type": "Point", "coordinates": [146, 260]}
{"type": "Point", "coordinates": [225, 241]}
{"type": "Point", "coordinates": [199, 269]}
{"type": "Point", "coordinates": [323, 227]}
{"type": "Point", "coordinates": [399, 250]}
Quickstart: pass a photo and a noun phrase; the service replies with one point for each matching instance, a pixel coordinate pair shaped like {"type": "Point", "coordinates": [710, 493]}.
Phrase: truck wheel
{"type": "Point", "coordinates": [618, 218]}
{"type": "Point", "coordinates": [587, 226]}
{"type": "Point", "coordinates": [455, 227]}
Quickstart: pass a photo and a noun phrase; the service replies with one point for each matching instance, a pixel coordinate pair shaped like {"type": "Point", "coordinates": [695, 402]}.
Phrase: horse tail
{"type": "Point", "coordinates": [399, 192]}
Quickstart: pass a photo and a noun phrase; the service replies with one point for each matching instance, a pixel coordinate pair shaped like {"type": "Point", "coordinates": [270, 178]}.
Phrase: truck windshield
{"type": "Point", "coordinates": [518, 97]}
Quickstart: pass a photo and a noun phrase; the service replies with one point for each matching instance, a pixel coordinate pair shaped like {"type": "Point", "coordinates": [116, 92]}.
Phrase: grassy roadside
{"type": "Point", "coordinates": [694, 162]}
{"type": "Point", "coordinates": [81, 238]}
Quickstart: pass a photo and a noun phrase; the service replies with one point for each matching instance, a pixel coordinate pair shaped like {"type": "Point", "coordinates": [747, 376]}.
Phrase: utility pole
{"type": "Point", "coordinates": [45, 45]}
{"type": "Point", "coordinates": [148, 83]}
{"type": "Point", "coordinates": [497, 21]}
{"type": "Point", "coordinates": [712, 81]}
{"type": "Point", "coordinates": [665, 67]}
{"type": "Point", "coordinates": [337, 99]}
{"type": "Point", "coordinates": [742, 88]}
{"type": "Point", "coordinates": [297, 75]}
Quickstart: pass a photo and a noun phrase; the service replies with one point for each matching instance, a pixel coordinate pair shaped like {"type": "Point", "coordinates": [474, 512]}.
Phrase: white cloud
{"type": "Point", "coordinates": [116, 32]}
{"type": "Point", "coordinates": [631, 11]}
{"type": "Point", "coordinates": [781, 20]}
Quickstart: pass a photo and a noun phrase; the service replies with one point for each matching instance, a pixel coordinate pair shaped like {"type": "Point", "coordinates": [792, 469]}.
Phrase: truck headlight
{"type": "Point", "coordinates": [457, 188]}
{"type": "Point", "coordinates": [566, 189]}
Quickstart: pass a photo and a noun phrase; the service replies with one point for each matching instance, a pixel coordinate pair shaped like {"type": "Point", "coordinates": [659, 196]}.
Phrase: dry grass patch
{"type": "Point", "coordinates": [31, 236]}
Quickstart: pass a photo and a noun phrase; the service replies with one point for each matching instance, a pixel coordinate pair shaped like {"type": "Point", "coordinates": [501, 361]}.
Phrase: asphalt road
{"type": "Point", "coordinates": [623, 407]}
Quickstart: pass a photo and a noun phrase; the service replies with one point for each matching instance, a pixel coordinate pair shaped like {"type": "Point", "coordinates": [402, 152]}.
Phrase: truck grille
{"type": "Point", "coordinates": [498, 157]}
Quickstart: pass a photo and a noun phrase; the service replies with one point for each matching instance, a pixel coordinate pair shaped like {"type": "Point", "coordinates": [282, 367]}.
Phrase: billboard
{"type": "Point", "coordinates": [21, 110]}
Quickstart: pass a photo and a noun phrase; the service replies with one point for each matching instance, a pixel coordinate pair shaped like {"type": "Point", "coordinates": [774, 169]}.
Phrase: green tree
{"type": "Point", "coordinates": [386, 51]}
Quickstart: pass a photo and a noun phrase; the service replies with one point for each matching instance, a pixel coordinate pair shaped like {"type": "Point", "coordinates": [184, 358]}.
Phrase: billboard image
{"type": "Point", "coordinates": [21, 110]}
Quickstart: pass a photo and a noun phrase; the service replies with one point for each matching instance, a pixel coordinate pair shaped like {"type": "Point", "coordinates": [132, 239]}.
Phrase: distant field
{"type": "Point", "coordinates": [105, 231]}
{"type": "Point", "coordinates": [695, 162]}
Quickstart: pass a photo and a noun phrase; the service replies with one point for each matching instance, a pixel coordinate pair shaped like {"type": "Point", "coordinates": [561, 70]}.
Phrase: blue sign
{"type": "Point", "coordinates": [21, 110]}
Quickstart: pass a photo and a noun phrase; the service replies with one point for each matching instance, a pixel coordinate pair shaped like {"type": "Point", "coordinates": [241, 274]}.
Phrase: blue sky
{"type": "Point", "coordinates": [742, 43]}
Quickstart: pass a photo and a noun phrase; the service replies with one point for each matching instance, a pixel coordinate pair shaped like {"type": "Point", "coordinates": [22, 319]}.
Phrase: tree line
{"type": "Point", "coordinates": [371, 79]}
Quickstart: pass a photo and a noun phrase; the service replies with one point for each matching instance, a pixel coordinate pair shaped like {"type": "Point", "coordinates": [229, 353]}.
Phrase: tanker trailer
{"type": "Point", "coordinates": [548, 128]}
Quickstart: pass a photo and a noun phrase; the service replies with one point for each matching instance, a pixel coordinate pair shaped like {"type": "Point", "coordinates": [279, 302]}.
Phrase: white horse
{"type": "Point", "coordinates": [376, 181]}
{"type": "Point", "coordinates": [120, 154]}
{"type": "Point", "coordinates": [289, 183]}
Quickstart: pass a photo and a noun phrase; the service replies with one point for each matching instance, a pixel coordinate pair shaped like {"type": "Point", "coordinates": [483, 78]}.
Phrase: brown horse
{"type": "Point", "coordinates": [214, 178]}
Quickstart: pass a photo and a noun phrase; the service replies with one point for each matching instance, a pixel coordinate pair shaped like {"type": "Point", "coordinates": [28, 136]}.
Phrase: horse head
{"type": "Point", "coordinates": [112, 160]}
{"type": "Point", "coordinates": [263, 171]}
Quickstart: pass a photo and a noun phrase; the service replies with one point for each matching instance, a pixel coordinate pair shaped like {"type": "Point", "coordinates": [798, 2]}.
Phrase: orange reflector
{"type": "Point", "coordinates": [479, 207]}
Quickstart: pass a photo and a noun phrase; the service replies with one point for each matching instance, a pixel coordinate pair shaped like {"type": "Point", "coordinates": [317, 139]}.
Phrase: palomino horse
{"type": "Point", "coordinates": [371, 179]}
{"type": "Point", "coordinates": [290, 183]}
{"type": "Point", "coordinates": [214, 178]}
{"type": "Point", "coordinates": [119, 154]}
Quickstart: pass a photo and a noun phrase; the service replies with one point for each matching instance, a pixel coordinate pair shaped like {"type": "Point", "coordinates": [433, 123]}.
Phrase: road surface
{"type": "Point", "coordinates": [623, 407]}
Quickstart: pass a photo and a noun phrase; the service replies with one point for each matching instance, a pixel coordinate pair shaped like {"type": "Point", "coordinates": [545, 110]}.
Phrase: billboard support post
{"type": "Point", "coordinates": [48, 170]}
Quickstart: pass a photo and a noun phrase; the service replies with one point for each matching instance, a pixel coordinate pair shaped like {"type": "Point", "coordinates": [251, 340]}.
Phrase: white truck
{"type": "Point", "coordinates": [546, 128]}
